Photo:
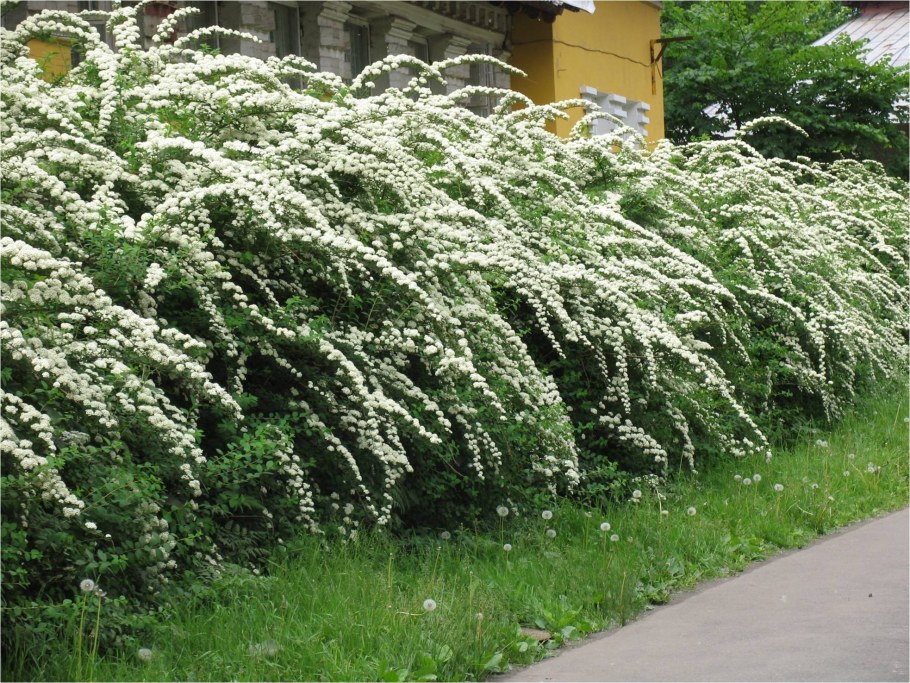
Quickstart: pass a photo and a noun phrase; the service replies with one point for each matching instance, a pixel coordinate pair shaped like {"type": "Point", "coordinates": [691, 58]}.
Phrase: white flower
{"type": "Point", "coordinates": [604, 526]}
{"type": "Point", "coordinates": [778, 487]}
{"type": "Point", "coordinates": [851, 456]}
{"type": "Point", "coordinates": [551, 533]}
{"type": "Point", "coordinates": [614, 537]}
{"type": "Point", "coordinates": [502, 511]}
{"type": "Point", "coordinates": [821, 443]}
{"type": "Point", "coordinates": [507, 547]}
{"type": "Point", "coordinates": [91, 525]}
{"type": "Point", "coordinates": [846, 473]}
{"type": "Point", "coordinates": [664, 513]}
{"type": "Point", "coordinates": [691, 512]}
{"type": "Point", "coordinates": [429, 604]}
{"type": "Point", "coordinates": [547, 514]}
{"type": "Point", "coordinates": [86, 585]}
{"type": "Point", "coordinates": [144, 653]}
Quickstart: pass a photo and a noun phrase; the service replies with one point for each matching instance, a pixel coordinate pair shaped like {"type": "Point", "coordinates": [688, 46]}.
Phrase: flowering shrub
{"type": "Point", "coordinates": [233, 310]}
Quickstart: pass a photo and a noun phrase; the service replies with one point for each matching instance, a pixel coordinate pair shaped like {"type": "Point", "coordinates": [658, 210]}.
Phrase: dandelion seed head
{"type": "Point", "coordinates": [502, 511]}
{"type": "Point", "coordinates": [445, 535]}
{"type": "Point", "coordinates": [737, 477]}
{"type": "Point", "coordinates": [691, 511]}
{"type": "Point", "coordinates": [86, 585]}
{"type": "Point", "coordinates": [756, 478]}
{"type": "Point", "coordinates": [747, 482]}
{"type": "Point", "coordinates": [778, 487]}
{"type": "Point", "coordinates": [636, 494]}
{"type": "Point", "coordinates": [547, 514]}
{"type": "Point", "coordinates": [604, 526]}
{"type": "Point", "coordinates": [507, 547]}
{"type": "Point", "coordinates": [846, 473]}
{"type": "Point", "coordinates": [429, 604]}
{"type": "Point", "coordinates": [144, 653]}
{"type": "Point", "coordinates": [551, 533]}
{"type": "Point", "coordinates": [614, 538]}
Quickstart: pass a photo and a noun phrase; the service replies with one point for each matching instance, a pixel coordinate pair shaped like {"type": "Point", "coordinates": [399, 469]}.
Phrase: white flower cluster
{"type": "Point", "coordinates": [401, 285]}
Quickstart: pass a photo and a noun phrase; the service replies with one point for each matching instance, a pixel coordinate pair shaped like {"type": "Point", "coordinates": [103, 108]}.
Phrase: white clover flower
{"type": "Point", "coordinates": [614, 538]}
{"type": "Point", "coordinates": [507, 547]}
{"type": "Point", "coordinates": [604, 526]}
{"type": "Point", "coordinates": [691, 511]}
{"type": "Point", "coordinates": [778, 487]}
{"type": "Point", "coordinates": [86, 585]}
{"type": "Point", "coordinates": [429, 605]}
{"type": "Point", "coordinates": [144, 654]}
{"type": "Point", "coordinates": [547, 514]}
{"type": "Point", "coordinates": [551, 533]}
{"type": "Point", "coordinates": [502, 511]}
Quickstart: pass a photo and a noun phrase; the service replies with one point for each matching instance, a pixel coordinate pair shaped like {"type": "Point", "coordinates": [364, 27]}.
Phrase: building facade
{"type": "Point", "coordinates": [568, 48]}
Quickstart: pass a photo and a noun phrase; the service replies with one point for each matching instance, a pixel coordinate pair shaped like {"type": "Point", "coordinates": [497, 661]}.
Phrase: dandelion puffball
{"type": "Point", "coordinates": [778, 487]}
{"type": "Point", "coordinates": [86, 585]}
{"type": "Point", "coordinates": [605, 526]}
{"type": "Point", "coordinates": [636, 494]}
{"type": "Point", "coordinates": [691, 512]}
{"type": "Point", "coordinates": [614, 537]}
{"type": "Point", "coordinates": [429, 604]}
{"type": "Point", "coordinates": [756, 478]}
{"type": "Point", "coordinates": [507, 547]}
{"type": "Point", "coordinates": [551, 533]}
{"type": "Point", "coordinates": [547, 514]}
{"type": "Point", "coordinates": [502, 511]}
{"type": "Point", "coordinates": [144, 654]}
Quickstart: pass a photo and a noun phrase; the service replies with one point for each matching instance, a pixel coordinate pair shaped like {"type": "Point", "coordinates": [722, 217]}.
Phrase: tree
{"type": "Point", "coordinates": [752, 59]}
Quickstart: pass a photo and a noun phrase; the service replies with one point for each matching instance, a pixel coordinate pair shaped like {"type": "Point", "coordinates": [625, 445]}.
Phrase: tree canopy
{"type": "Point", "coordinates": [753, 59]}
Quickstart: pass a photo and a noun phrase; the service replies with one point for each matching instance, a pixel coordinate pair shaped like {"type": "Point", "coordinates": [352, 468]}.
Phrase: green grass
{"type": "Point", "coordinates": [354, 611]}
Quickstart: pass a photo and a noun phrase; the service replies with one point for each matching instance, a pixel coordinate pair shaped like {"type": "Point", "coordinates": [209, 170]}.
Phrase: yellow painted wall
{"type": "Point", "coordinates": [607, 50]}
{"type": "Point", "coordinates": [55, 56]}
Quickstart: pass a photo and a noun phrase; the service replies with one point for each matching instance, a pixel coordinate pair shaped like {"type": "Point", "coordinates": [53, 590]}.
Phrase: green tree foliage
{"type": "Point", "coordinates": [752, 59]}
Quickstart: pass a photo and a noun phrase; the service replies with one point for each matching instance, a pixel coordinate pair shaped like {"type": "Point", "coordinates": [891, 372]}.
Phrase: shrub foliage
{"type": "Point", "coordinates": [234, 309]}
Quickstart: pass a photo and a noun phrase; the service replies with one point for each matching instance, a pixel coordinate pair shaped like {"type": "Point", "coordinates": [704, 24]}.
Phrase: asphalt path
{"type": "Point", "coordinates": [836, 610]}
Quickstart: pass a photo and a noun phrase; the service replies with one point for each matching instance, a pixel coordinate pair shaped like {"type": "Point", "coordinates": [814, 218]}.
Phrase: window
{"type": "Point", "coordinates": [208, 16]}
{"type": "Point", "coordinates": [481, 74]}
{"type": "Point", "coordinates": [286, 35]}
{"type": "Point", "coordinates": [631, 113]}
{"type": "Point", "coordinates": [421, 49]}
{"type": "Point", "coordinates": [98, 23]}
{"type": "Point", "coordinates": [358, 55]}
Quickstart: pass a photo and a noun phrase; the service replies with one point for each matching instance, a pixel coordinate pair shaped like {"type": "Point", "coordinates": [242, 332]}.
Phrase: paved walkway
{"type": "Point", "coordinates": [834, 611]}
